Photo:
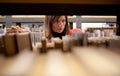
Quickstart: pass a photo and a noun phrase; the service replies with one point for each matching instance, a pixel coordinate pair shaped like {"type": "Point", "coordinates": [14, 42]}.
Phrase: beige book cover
{"type": "Point", "coordinates": [23, 41]}
{"type": "Point", "coordinates": [10, 44]}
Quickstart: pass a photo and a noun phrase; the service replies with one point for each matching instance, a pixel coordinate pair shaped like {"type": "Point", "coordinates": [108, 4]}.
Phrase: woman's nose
{"type": "Point", "coordinates": [60, 24]}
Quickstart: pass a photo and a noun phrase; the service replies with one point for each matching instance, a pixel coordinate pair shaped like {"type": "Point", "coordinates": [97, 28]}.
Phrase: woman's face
{"type": "Point", "coordinates": [59, 25]}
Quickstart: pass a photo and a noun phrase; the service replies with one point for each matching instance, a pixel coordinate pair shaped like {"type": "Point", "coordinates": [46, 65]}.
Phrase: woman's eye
{"type": "Point", "coordinates": [57, 21]}
{"type": "Point", "coordinates": [63, 20]}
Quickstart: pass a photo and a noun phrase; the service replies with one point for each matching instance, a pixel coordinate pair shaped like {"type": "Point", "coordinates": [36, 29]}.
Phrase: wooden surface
{"type": "Point", "coordinates": [82, 61]}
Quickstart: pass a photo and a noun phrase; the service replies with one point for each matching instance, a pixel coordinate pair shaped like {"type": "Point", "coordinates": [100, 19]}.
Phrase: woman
{"type": "Point", "coordinates": [56, 26]}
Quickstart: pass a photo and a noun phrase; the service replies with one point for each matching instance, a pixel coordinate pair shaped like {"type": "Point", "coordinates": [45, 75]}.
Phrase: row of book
{"type": "Point", "coordinates": [14, 43]}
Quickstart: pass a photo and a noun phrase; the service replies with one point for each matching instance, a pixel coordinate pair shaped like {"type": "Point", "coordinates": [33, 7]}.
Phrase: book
{"type": "Point", "coordinates": [9, 41]}
{"type": "Point", "coordinates": [23, 41]}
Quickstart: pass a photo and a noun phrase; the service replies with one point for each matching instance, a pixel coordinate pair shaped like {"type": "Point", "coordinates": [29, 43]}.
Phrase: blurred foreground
{"type": "Point", "coordinates": [81, 61]}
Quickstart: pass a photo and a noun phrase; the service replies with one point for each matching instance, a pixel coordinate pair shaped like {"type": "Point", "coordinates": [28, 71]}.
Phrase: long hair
{"type": "Point", "coordinates": [49, 20]}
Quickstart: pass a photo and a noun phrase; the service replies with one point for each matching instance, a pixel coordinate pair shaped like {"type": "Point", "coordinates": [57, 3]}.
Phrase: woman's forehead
{"type": "Point", "coordinates": [58, 18]}
{"type": "Point", "coordinates": [61, 17]}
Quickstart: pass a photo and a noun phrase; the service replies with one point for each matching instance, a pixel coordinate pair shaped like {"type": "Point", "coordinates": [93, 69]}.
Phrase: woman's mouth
{"type": "Point", "coordinates": [59, 30]}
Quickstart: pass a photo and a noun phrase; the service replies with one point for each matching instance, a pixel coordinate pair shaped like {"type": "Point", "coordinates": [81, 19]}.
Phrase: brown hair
{"type": "Point", "coordinates": [49, 20]}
